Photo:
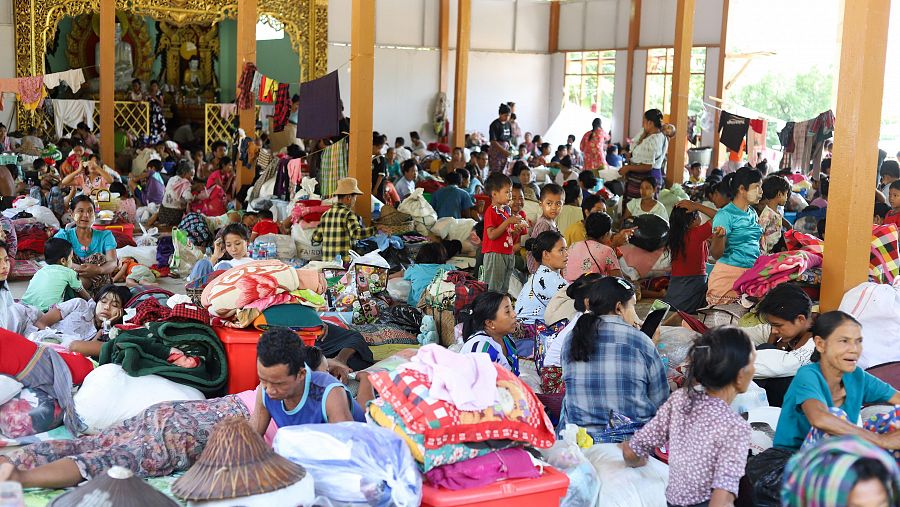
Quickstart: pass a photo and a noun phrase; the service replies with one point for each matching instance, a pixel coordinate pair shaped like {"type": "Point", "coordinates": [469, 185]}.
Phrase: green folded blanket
{"type": "Point", "coordinates": [145, 352]}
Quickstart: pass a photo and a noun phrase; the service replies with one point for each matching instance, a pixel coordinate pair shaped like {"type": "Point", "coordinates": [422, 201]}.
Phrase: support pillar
{"type": "Point", "coordinates": [445, 46]}
{"type": "Point", "coordinates": [681, 85]}
{"type": "Point", "coordinates": [634, 37]}
{"type": "Point", "coordinates": [860, 92]}
{"type": "Point", "coordinates": [246, 52]}
{"type": "Point", "coordinates": [553, 41]}
{"type": "Point", "coordinates": [720, 83]}
{"type": "Point", "coordinates": [107, 81]}
{"type": "Point", "coordinates": [362, 79]}
{"type": "Point", "coordinates": [463, 32]}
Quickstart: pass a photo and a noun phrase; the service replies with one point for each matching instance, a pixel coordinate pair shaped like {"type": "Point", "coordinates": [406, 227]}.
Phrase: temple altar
{"type": "Point", "coordinates": [176, 42]}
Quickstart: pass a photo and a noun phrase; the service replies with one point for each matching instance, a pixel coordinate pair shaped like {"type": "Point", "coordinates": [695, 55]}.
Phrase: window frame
{"type": "Point", "coordinates": [668, 68]}
{"type": "Point", "coordinates": [604, 75]}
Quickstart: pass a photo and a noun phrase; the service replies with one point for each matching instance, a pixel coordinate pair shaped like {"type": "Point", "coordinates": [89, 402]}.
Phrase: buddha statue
{"type": "Point", "coordinates": [124, 63]}
{"type": "Point", "coordinates": [192, 78]}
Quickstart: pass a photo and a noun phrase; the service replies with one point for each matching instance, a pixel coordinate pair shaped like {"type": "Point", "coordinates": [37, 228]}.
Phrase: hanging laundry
{"type": "Point", "coordinates": [267, 89]}
{"type": "Point", "coordinates": [74, 78]}
{"type": "Point", "coordinates": [282, 180]}
{"type": "Point", "coordinates": [319, 114]}
{"type": "Point", "coordinates": [756, 141]}
{"type": "Point", "coordinates": [69, 113]}
{"type": "Point", "coordinates": [266, 111]}
{"type": "Point", "coordinates": [786, 138]}
{"type": "Point", "coordinates": [803, 144]}
{"type": "Point", "coordinates": [282, 107]}
{"type": "Point", "coordinates": [226, 111]}
{"type": "Point", "coordinates": [733, 130]}
{"type": "Point", "coordinates": [244, 95]}
{"type": "Point", "coordinates": [823, 126]}
{"type": "Point", "coordinates": [31, 92]}
{"type": "Point", "coordinates": [257, 80]}
{"type": "Point", "coordinates": [333, 166]}
{"type": "Point", "coordinates": [295, 170]}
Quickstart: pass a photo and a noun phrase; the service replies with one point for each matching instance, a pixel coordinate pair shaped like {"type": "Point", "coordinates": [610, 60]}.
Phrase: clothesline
{"type": "Point", "coordinates": [749, 111]}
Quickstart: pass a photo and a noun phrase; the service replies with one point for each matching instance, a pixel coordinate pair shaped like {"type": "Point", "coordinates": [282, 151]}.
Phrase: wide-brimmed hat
{"type": "Point", "coordinates": [118, 486]}
{"type": "Point", "coordinates": [236, 463]}
{"type": "Point", "coordinates": [348, 186]}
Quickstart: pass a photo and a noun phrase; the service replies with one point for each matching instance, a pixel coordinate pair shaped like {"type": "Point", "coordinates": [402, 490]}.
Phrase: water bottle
{"type": "Point", "coordinates": [271, 250]}
{"type": "Point", "coordinates": [338, 260]}
{"type": "Point", "coordinates": [663, 354]}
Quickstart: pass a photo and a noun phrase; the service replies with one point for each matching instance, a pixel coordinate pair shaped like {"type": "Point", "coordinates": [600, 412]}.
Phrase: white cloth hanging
{"type": "Point", "coordinates": [226, 111]}
{"type": "Point", "coordinates": [70, 113]}
{"type": "Point", "coordinates": [74, 78]}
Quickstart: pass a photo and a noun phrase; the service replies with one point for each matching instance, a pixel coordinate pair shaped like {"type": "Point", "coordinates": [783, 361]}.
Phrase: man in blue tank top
{"type": "Point", "coordinates": [290, 392]}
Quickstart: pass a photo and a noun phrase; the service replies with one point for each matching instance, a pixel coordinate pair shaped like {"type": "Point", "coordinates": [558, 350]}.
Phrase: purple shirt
{"type": "Point", "coordinates": [707, 443]}
{"type": "Point", "coordinates": [154, 188]}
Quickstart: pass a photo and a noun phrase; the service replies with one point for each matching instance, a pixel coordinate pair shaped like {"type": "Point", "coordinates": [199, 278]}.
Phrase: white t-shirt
{"type": "Point", "coordinates": [560, 180]}
{"type": "Point", "coordinates": [634, 206]}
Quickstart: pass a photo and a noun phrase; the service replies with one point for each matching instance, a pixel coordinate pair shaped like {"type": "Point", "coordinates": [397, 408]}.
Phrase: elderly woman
{"type": "Point", "coordinates": [95, 251]}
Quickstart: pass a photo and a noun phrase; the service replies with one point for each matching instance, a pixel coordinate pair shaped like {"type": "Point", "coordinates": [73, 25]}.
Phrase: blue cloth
{"type": "Point", "coordinates": [809, 384]}
{"type": "Point", "coordinates": [451, 201]}
{"type": "Point", "coordinates": [384, 241]}
{"type": "Point", "coordinates": [474, 183]}
{"type": "Point", "coordinates": [101, 242]}
{"type": "Point", "coordinates": [613, 160]}
{"type": "Point", "coordinates": [311, 409]}
{"type": "Point", "coordinates": [742, 235]}
{"type": "Point", "coordinates": [419, 276]}
{"type": "Point", "coordinates": [624, 375]}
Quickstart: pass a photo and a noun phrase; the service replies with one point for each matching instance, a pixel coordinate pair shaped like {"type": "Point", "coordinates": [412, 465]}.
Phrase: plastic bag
{"type": "Point", "coordinates": [285, 246]}
{"type": "Point", "coordinates": [565, 455]}
{"type": "Point", "coordinates": [669, 197]}
{"type": "Point", "coordinates": [148, 237]}
{"type": "Point", "coordinates": [623, 486]}
{"type": "Point", "coordinates": [354, 463]}
{"type": "Point", "coordinates": [754, 397]}
{"type": "Point", "coordinates": [303, 241]}
{"type": "Point", "coordinates": [100, 407]}
{"type": "Point", "coordinates": [765, 472]}
{"type": "Point", "coordinates": [185, 255]}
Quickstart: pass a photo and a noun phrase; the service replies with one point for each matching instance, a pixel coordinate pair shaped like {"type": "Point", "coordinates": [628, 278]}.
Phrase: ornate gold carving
{"type": "Point", "coordinates": [205, 38]}
{"type": "Point", "coordinates": [82, 40]}
{"type": "Point", "coordinates": [36, 22]}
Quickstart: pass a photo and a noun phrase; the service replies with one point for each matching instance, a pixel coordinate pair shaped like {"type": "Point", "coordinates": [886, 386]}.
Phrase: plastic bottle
{"type": "Point", "coordinates": [338, 260]}
{"type": "Point", "coordinates": [663, 354]}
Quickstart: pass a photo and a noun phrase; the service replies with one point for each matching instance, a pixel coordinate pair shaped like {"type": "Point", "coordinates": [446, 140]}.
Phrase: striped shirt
{"type": "Point", "coordinates": [480, 342]}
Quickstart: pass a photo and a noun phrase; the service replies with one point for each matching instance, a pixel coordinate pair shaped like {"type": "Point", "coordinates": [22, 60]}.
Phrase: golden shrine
{"type": "Point", "coordinates": [187, 40]}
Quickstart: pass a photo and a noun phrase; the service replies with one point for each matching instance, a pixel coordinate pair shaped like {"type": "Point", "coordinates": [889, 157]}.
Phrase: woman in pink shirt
{"type": "Point", "coordinates": [592, 255]}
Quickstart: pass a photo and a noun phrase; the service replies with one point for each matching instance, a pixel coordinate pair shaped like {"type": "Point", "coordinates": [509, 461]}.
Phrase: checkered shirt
{"type": "Point", "coordinates": [339, 228]}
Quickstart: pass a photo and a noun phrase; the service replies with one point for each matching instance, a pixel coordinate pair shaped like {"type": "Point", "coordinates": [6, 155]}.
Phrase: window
{"type": "Point", "coordinates": [658, 88]}
{"type": "Point", "coordinates": [269, 28]}
{"type": "Point", "coordinates": [590, 80]}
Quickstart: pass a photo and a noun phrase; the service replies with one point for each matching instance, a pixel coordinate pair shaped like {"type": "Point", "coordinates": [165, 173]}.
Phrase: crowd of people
{"type": "Point", "coordinates": [568, 260]}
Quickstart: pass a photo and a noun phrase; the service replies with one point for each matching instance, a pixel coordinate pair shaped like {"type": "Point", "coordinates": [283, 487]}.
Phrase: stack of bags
{"type": "Point", "coordinates": [466, 420]}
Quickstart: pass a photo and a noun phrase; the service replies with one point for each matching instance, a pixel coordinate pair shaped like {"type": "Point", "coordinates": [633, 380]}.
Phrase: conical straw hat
{"type": "Point", "coordinates": [119, 487]}
{"type": "Point", "coordinates": [236, 463]}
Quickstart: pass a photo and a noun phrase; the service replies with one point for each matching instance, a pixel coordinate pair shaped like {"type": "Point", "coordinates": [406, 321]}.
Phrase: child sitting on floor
{"type": "Point", "coordinates": [706, 440]}
{"type": "Point", "coordinates": [551, 204]}
{"type": "Point", "coordinates": [57, 281]}
{"type": "Point", "coordinates": [127, 209]}
{"type": "Point", "coordinates": [430, 259]}
{"type": "Point", "coordinates": [232, 241]}
{"type": "Point", "coordinates": [647, 204]}
{"type": "Point", "coordinates": [266, 225]}
{"type": "Point", "coordinates": [893, 216]}
{"type": "Point", "coordinates": [775, 194]}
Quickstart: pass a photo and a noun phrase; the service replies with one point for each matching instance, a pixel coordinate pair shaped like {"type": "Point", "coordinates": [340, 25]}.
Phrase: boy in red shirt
{"type": "Point", "coordinates": [893, 216]}
{"type": "Point", "coordinates": [266, 225]}
{"type": "Point", "coordinates": [499, 226]}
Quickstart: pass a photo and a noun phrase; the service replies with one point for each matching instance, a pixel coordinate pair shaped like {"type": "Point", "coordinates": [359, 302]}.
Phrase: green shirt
{"type": "Point", "coordinates": [48, 285]}
{"type": "Point", "coordinates": [742, 235]}
{"type": "Point", "coordinates": [809, 384]}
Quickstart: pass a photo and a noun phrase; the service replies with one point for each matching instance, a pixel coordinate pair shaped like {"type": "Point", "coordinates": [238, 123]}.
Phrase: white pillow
{"type": "Point", "coordinates": [9, 388]}
{"type": "Point", "coordinates": [99, 406]}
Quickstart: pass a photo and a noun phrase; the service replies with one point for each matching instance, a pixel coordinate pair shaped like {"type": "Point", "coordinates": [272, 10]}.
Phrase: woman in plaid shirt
{"type": "Point", "coordinates": [615, 379]}
{"type": "Point", "coordinates": [340, 227]}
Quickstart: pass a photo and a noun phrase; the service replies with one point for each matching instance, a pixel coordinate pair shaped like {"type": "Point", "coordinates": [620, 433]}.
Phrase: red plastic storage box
{"type": "Point", "coordinates": [545, 491]}
{"type": "Point", "coordinates": [128, 229]}
{"type": "Point", "coordinates": [240, 350]}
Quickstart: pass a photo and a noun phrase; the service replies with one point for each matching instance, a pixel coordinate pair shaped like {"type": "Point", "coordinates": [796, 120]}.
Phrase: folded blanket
{"type": "Point", "coordinates": [146, 353]}
{"type": "Point", "coordinates": [775, 269]}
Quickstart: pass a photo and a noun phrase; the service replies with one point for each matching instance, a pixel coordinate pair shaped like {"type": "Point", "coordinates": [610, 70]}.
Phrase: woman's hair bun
{"type": "Point", "coordinates": [529, 244]}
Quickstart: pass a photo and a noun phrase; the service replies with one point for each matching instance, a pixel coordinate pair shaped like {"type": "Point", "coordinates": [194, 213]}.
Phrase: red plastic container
{"type": "Point", "coordinates": [545, 491]}
{"type": "Point", "coordinates": [240, 350]}
{"type": "Point", "coordinates": [126, 228]}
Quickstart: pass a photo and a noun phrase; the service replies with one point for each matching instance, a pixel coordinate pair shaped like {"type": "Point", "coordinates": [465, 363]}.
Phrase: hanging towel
{"type": "Point", "coordinates": [32, 92]}
{"type": "Point", "coordinates": [74, 78]}
{"type": "Point", "coordinates": [319, 113]}
{"type": "Point", "coordinates": [282, 107]}
{"type": "Point", "coordinates": [334, 166]}
{"type": "Point", "coordinates": [70, 113]}
{"type": "Point", "coordinates": [244, 95]}
{"type": "Point", "coordinates": [226, 111]}
{"type": "Point", "coordinates": [265, 116]}
{"type": "Point", "coordinates": [295, 170]}
{"type": "Point", "coordinates": [257, 82]}
{"type": "Point", "coordinates": [756, 140]}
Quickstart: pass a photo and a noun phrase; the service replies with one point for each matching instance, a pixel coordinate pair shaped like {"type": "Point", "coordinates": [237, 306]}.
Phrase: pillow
{"type": "Point", "coordinates": [517, 416]}
{"type": "Point", "coordinates": [100, 407]}
{"type": "Point", "coordinates": [29, 412]}
{"type": "Point", "coordinates": [9, 388]}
